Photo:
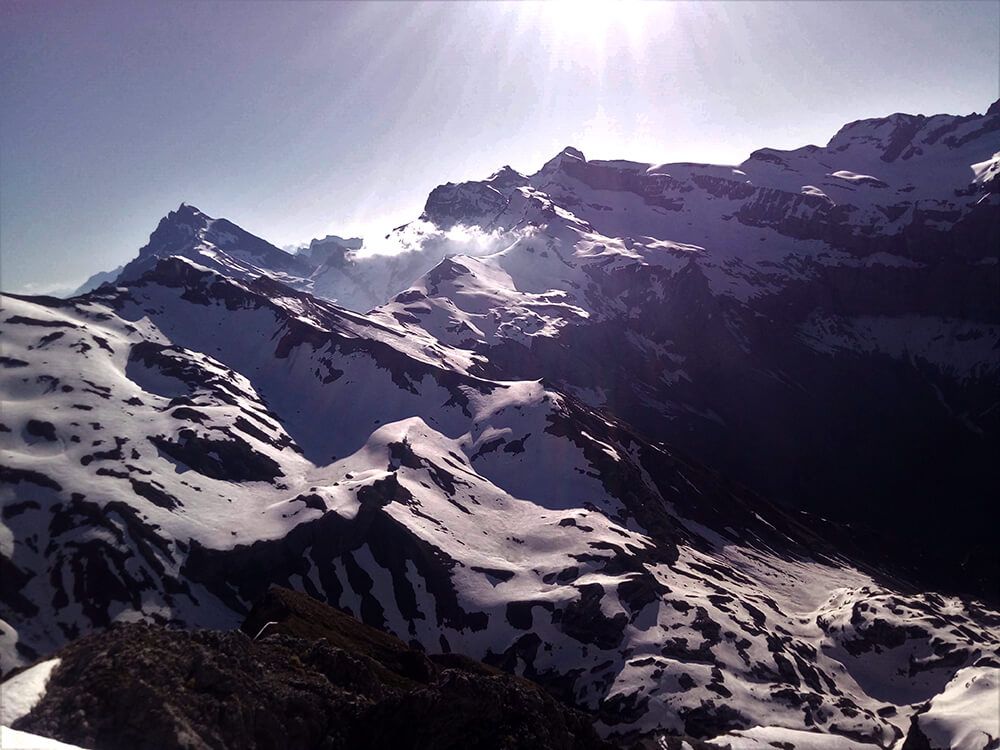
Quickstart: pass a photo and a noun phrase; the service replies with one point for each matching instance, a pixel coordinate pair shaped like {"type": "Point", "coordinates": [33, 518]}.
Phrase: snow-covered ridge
{"type": "Point", "coordinates": [862, 194]}
{"type": "Point", "coordinates": [173, 445]}
{"type": "Point", "coordinates": [17, 740]}
{"type": "Point", "coordinates": [481, 462]}
{"type": "Point", "coordinates": [726, 295]}
{"type": "Point", "coordinates": [851, 285]}
{"type": "Point", "coordinates": [781, 210]}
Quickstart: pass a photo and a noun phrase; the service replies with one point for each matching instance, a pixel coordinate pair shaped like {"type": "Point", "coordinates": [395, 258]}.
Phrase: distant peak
{"type": "Point", "coordinates": [186, 214]}
{"type": "Point", "coordinates": [569, 155]}
{"type": "Point", "coordinates": [994, 108]}
{"type": "Point", "coordinates": [175, 230]}
{"type": "Point", "coordinates": [507, 176]}
{"type": "Point", "coordinates": [505, 170]}
{"type": "Point", "coordinates": [894, 135]}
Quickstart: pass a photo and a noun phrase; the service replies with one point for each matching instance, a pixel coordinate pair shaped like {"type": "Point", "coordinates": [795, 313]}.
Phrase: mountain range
{"type": "Point", "coordinates": [706, 451]}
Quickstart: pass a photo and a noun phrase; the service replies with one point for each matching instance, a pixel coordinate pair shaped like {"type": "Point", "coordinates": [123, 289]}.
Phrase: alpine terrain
{"type": "Point", "coordinates": [614, 454]}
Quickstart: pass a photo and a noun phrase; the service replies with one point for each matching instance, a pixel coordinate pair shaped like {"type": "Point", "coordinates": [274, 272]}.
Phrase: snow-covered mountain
{"type": "Point", "coordinates": [334, 268]}
{"type": "Point", "coordinates": [805, 312]}
{"type": "Point", "coordinates": [174, 446]}
{"type": "Point", "coordinates": [897, 192]}
{"type": "Point", "coordinates": [516, 455]}
{"type": "Point", "coordinates": [217, 244]}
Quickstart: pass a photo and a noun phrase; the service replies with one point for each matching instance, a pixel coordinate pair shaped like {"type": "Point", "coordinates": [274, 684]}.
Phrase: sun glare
{"type": "Point", "coordinates": [583, 30]}
{"type": "Point", "coordinates": [590, 16]}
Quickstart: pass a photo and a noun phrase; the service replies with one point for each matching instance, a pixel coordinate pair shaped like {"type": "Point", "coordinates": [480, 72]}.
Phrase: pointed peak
{"type": "Point", "coordinates": [506, 169]}
{"type": "Point", "coordinates": [507, 176]}
{"type": "Point", "coordinates": [568, 156]}
{"type": "Point", "coordinates": [186, 211]}
{"type": "Point", "coordinates": [187, 216]}
{"type": "Point", "coordinates": [175, 230]}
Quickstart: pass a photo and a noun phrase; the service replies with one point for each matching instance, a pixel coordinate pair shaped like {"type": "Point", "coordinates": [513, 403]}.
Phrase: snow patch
{"type": "Point", "coordinates": [23, 691]}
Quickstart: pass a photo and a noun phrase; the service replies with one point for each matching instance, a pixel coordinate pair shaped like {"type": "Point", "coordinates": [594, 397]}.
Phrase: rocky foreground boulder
{"type": "Point", "coordinates": [299, 674]}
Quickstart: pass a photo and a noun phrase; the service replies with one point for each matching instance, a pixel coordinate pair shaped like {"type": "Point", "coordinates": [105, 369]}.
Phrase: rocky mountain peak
{"type": "Point", "coordinates": [507, 176]}
{"type": "Point", "coordinates": [891, 135]}
{"type": "Point", "coordinates": [215, 243]}
{"type": "Point", "coordinates": [901, 136]}
{"type": "Point", "coordinates": [176, 230]}
{"type": "Point", "coordinates": [187, 211]}
{"type": "Point", "coordinates": [569, 156]}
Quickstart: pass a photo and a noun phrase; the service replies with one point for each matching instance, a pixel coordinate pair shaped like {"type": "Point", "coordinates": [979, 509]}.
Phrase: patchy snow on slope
{"type": "Point", "coordinates": [20, 693]}
{"type": "Point", "coordinates": [213, 424]}
{"type": "Point", "coordinates": [962, 348]}
{"type": "Point", "coordinates": [200, 418]}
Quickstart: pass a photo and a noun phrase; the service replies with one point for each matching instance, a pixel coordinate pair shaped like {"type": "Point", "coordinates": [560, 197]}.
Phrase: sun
{"type": "Point", "coordinates": [589, 16]}
{"type": "Point", "coordinates": [586, 29]}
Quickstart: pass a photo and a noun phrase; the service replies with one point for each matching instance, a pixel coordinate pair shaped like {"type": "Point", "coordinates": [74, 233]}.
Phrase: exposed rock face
{"type": "Point", "coordinates": [189, 232]}
{"type": "Point", "coordinates": [330, 250]}
{"type": "Point", "coordinates": [312, 678]}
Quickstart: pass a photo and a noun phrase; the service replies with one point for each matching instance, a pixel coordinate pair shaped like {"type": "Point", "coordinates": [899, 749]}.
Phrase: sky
{"type": "Point", "coordinates": [296, 120]}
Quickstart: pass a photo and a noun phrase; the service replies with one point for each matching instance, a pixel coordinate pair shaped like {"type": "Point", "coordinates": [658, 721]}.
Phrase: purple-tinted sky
{"type": "Point", "coordinates": [299, 119]}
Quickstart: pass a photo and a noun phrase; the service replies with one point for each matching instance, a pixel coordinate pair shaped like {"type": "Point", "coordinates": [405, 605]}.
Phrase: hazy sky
{"type": "Point", "coordinates": [300, 119]}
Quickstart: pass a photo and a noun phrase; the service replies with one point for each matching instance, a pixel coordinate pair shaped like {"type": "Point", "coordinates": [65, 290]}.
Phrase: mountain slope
{"type": "Point", "coordinates": [808, 311]}
{"type": "Point", "coordinates": [174, 446]}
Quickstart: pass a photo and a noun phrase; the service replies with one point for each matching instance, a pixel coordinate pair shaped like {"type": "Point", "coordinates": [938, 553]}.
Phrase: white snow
{"type": "Point", "coordinates": [966, 714]}
{"type": "Point", "coordinates": [849, 176]}
{"type": "Point", "coordinates": [766, 738]}
{"type": "Point", "coordinates": [13, 739]}
{"type": "Point", "coordinates": [20, 693]}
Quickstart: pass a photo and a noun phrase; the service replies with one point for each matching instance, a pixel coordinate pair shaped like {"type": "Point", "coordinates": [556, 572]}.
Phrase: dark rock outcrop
{"type": "Point", "coordinates": [301, 675]}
